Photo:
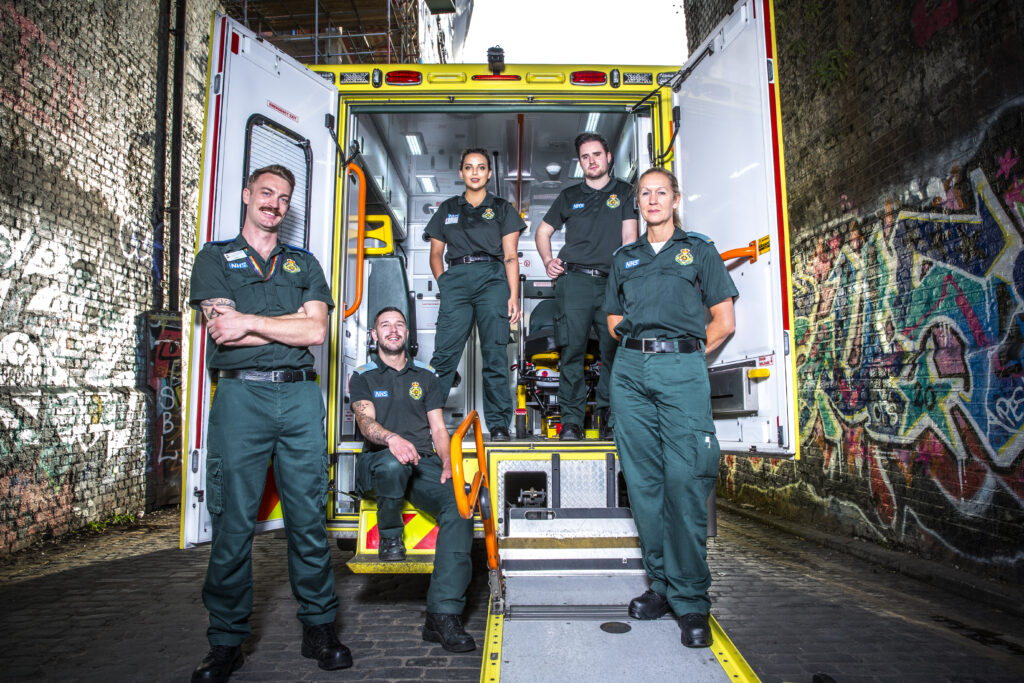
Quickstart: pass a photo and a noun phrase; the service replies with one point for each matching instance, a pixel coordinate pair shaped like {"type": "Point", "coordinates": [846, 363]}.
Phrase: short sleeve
{"type": "Point", "coordinates": [432, 394]}
{"type": "Point", "coordinates": [435, 226]}
{"type": "Point", "coordinates": [208, 280]}
{"type": "Point", "coordinates": [556, 215]}
{"type": "Point", "coordinates": [628, 205]}
{"type": "Point", "coordinates": [318, 289]}
{"type": "Point", "coordinates": [513, 221]}
{"type": "Point", "coordinates": [358, 389]}
{"type": "Point", "coordinates": [715, 281]}
{"type": "Point", "coordinates": [612, 303]}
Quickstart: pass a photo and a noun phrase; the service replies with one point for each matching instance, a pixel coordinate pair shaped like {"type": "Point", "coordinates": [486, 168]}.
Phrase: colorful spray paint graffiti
{"type": "Point", "coordinates": [909, 338]}
{"type": "Point", "coordinates": [163, 383]}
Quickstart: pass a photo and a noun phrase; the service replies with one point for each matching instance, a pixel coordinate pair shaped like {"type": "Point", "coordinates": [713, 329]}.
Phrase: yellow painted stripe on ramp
{"type": "Point", "coordinates": [729, 657]}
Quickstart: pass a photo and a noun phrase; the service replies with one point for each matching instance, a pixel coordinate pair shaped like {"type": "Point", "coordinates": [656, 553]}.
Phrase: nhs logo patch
{"type": "Point", "coordinates": [238, 265]}
{"type": "Point", "coordinates": [451, 219]}
{"type": "Point", "coordinates": [632, 264]}
{"type": "Point", "coordinates": [380, 393]}
{"type": "Point", "coordinates": [577, 205]}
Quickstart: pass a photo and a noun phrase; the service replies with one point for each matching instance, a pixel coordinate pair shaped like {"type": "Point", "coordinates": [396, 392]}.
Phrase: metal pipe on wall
{"type": "Point", "coordinates": [177, 104]}
{"type": "Point", "coordinates": [160, 153]}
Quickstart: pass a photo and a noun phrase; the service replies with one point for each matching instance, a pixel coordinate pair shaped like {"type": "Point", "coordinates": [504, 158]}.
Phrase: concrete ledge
{"type": "Point", "coordinates": [1006, 597]}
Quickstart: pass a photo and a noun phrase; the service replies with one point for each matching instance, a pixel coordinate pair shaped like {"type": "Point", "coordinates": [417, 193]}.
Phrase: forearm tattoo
{"type": "Point", "coordinates": [511, 259]}
{"type": "Point", "coordinates": [369, 427]}
{"type": "Point", "coordinates": [208, 304]}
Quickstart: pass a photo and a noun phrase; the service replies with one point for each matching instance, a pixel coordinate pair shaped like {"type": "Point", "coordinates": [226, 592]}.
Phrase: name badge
{"type": "Point", "coordinates": [235, 255]}
{"type": "Point", "coordinates": [451, 219]}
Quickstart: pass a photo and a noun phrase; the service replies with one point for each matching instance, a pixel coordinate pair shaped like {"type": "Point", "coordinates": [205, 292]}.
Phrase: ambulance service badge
{"type": "Point", "coordinates": [684, 257]}
{"type": "Point", "coordinates": [291, 266]}
{"type": "Point", "coordinates": [613, 201]}
{"type": "Point", "coordinates": [488, 213]}
{"type": "Point", "coordinates": [415, 392]}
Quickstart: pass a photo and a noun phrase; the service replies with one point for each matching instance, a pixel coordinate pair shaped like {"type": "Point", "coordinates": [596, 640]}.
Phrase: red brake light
{"type": "Point", "coordinates": [497, 77]}
{"type": "Point", "coordinates": [588, 78]}
{"type": "Point", "coordinates": [403, 77]}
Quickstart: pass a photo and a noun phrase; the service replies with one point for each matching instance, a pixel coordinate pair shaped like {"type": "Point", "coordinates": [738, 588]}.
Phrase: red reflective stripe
{"type": "Point", "coordinates": [234, 42]}
{"type": "Point", "coordinates": [780, 217]}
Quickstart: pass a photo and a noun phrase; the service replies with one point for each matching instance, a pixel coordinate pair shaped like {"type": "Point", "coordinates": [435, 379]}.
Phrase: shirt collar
{"type": "Point", "coordinates": [384, 367]}
{"type": "Point", "coordinates": [488, 200]}
{"type": "Point", "coordinates": [677, 235]}
{"type": "Point", "coordinates": [587, 189]}
{"type": "Point", "coordinates": [241, 243]}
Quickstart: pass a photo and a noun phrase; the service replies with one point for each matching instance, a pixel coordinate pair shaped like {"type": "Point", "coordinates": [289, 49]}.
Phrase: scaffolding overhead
{"type": "Point", "coordinates": [335, 31]}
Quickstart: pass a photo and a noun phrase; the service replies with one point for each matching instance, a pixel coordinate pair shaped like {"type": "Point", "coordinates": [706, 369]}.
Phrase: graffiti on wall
{"type": "Point", "coordinates": [910, 361]}
{"type": "Point", "coordinates": [163, 378]}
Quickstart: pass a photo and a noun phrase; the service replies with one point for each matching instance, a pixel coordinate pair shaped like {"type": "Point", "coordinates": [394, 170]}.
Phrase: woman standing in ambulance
{"type": "Point", "coordinates": [478, 234]}
{"type": "Point", "coordinates": [658, 290]}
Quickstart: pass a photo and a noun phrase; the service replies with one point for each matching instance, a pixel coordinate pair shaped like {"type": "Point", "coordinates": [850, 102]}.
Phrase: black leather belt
{"type": "Point", "coordinates": [307, 375]}
{"type": "Point", "coordinates": [473, 259]}
{"type": "Point", "coordinates": [593, 272]}
{"type": "Point", "coordinates": [688, 345]}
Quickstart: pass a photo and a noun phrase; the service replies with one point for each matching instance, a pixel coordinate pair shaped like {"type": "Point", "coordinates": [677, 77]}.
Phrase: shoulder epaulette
{"type": "Point", "coordinates": [295, 248]}
{"type": "Point", "coordinates": [425, 366]}
{"type": "Point", "coordinates": [219, 242]}
{"type": "Point", "coordinates": [700, 235]}
{"type": "Point", "coordinates": [628, 244]}
{"type": "Point", "coordinates": [366, 367]}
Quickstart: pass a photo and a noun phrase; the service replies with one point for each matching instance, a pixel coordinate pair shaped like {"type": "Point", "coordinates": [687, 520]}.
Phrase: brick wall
{"type": "Point", "coordinates": [77, 90]}
{"type": "Point", "coordinates": [903, 126]}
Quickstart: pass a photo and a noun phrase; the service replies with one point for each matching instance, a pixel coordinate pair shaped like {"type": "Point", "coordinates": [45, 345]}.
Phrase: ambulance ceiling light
{"type": "Point", "coordinates": [592, 120]}
{"type": "Point", "coordinates": [553, 169]}
{"type": "Point", "coordinates": [427, 183]}
{"type": "Point", "coordinates": [577, 170]}
{"type": "Point", "coordinates": [414, 141]}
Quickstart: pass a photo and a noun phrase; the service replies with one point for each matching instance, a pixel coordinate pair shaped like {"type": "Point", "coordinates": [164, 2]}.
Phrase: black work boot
{"type": "Point", "coordinates": [218, 664]}
{"type": "Point", "coordinates": [391, 549]}
{"type": "Point", "coordinates": [570, 432]}
{"type": "Point", "coordinates": [694, 630]}
{"type": "Point", "coordinates": [650, 605]}
{"type": "Point", "coordinates": [447, 630]}
{"type": "Point", "coordinates": [607, 433]}
{"type": "Point", "coordinates": [319, 642]}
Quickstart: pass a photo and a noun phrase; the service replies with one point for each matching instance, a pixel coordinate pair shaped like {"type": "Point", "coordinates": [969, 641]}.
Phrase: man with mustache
{"type": "Point", "coordinates": [398, 404]}
{"type": "Point", "coordinates": [599, 216]}
{"type": "Point", "coordinates": [265, 303]}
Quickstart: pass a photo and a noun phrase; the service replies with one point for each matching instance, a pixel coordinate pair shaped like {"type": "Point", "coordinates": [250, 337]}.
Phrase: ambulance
{"type": "Point", "coordinates": [375, 149]}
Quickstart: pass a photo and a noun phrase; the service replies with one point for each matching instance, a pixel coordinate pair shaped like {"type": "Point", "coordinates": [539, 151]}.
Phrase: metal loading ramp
{"type": "Point", "coordinates": [565, 561]}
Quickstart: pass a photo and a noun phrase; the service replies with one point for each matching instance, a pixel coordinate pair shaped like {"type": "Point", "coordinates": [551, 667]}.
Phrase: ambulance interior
{"type": "Point", "coordinates": [411, 161]}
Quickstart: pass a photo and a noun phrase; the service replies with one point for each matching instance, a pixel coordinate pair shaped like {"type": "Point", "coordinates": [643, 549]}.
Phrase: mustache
{"type": "Point", "coordinates": [272, 209]}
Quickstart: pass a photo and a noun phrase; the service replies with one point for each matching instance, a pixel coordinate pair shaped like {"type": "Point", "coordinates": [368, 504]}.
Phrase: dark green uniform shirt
{"type": "Point", "coordinates": [401, 398]}
{"type": "Point", "coordinates": [474, 231]}
{"type": "Point", "coordinates": [593, 222]}
{"type": "Point", "coordinates": [663, 295]}
{"type": "Point", "coordinates": [281, 285]}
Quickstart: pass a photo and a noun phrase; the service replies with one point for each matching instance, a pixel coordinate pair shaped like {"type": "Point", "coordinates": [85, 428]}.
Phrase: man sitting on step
{"type": "Point", "coordinates": [397, 404]}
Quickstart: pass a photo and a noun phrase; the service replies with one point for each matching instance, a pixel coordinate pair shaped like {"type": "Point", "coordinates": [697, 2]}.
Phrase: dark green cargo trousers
{"type": "Point", "coordinates": [380, 475]}
{"type": "Point", "coordinates": [580, 300]}
{"type": "Point", "coordinates": [249, 423]}
{"type": "Point", "coordinates": [476, 292]}
{"type": "Point", "coordinates": [669, 455]}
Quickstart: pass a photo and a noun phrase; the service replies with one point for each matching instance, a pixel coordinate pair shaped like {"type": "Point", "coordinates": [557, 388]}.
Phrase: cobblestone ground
{"type": "Point", "coordinates": [124, 605]}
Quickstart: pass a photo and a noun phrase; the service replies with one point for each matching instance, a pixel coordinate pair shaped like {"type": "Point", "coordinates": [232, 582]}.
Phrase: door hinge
{"type": "Point", "coordinates": [216, 84]}
{"type": "Point", "coordinates": [199, 493]}
{"type": "Point", "coordinates": [771, 71]}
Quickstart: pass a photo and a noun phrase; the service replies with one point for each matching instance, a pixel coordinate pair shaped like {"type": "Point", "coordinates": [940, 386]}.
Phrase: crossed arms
{"type": "Point", "coordinates": [228, 327]}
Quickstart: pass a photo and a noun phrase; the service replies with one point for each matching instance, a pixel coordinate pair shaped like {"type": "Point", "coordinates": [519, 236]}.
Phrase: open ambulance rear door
{"type": "Point", "coordinates": [730, 168]}
{"type": "Point", "coordinates": [262, 107]}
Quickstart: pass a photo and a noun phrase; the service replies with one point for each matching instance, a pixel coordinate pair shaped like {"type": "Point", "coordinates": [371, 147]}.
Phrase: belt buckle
{"type": "Point", "coordinates": [278, 376]}
{"type": "Point", "coordinates": [648, 349]}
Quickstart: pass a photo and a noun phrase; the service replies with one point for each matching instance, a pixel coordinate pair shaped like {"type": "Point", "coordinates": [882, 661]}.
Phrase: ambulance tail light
{"type": "Point", "coordinates": [403, 77]}
{"type": "Point", "coordinates": [360, 78]}
{"type": "Point", "coordinates": [497, 77]}
{"type": "Point", "coordinates": [588, 78]}
{"type": "Point", "coordinates": [637, 78]}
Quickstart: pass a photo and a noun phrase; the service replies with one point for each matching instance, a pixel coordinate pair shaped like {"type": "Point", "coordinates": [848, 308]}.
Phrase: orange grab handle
{"type": "Point", "coordinates": [360, 238]}
{"type": "Point", "coordinates": [468, 502]}
{"type": "Point", "coordinates": [749, 251]}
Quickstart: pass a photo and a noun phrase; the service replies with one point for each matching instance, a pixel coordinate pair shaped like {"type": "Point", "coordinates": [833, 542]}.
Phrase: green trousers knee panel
{"type": "Point", "coordinates": [380, 475]}
{"type": "Point", "coordinates": [580, 300]}
{"type": "Point", "coordinates": [669, 456]}
{"type": "Point", "coordinates": [250, 422]}
{"type": "Point", "coordinates": [476, 292]}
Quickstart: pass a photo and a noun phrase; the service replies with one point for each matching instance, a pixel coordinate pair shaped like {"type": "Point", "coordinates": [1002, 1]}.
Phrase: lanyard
{"type": "Point", "coordinates": [273, 267]}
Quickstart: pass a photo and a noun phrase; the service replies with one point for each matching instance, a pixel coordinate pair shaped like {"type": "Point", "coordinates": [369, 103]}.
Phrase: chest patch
{"type": "Point", "coordinates": [291, 266]}
{"type": "Point", "coordinates": [381, 393]}
{"type": "Point", "coordinates": [415, 392]}
{"type": "Point", "coordinates": [684, 257]}
{"type": "Point", "coordinates": [238, 265]}
{"type": "Point", "coordinates": [451, 219]}
{"type": "Point", "coordinates": [577, 205]}
{"type": "Point", "coordinates": [632, 264]}
{"type": "Point", "coordinates": [488, 213]}
{"type": "Point", "coordinates": [613, 201]}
